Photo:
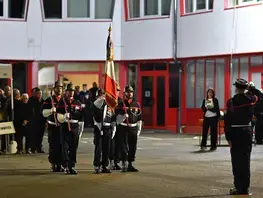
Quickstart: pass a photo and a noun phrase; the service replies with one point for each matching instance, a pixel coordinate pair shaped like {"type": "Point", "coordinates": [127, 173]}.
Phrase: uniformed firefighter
{"type": "Point", "coordinates": [69, 113]}
{"type": "Point", "coordinates": [238, 133]}
{"type": "Point", "coordinates": [49, 111]}
{"type": "Point", "coordinates": [258, 112]}
{"type": "Point", "coordinates": [129, 117]}
{"type": "Point", "coordinates": [115, 142]}
{"type": "Point", "coordinates": [104, 131]}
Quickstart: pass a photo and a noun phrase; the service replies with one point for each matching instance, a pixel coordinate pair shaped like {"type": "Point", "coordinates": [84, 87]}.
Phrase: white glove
{"type": "Point", "coordinates": [126, 116]}
{"type": "Point", "coordinates": [53, 109]}
{"type": "Point", "coordinates": [113, 132]}
{"type": "Point", "coordinates": [67, 115]}
{"type": "Point", "coordinates": [87, 96]}
{"type": "Point", "coordinates": [138, 133]}
{"type": "Point", "coordinates": [83, 105]}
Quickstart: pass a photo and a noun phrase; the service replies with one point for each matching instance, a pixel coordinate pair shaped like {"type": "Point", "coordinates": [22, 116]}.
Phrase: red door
{"type": "Point", "coordinates": [152, 92]}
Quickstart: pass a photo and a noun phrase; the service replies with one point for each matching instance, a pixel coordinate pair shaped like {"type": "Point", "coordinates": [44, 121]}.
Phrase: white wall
{"type": "Point", "coordinates": [85, 41]}
{"type": "Point", "coordinates": [212, 33]}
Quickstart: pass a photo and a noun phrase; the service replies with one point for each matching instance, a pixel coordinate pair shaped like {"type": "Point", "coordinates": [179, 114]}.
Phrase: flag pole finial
{"type": "Point", "coordinates": [109, 29]}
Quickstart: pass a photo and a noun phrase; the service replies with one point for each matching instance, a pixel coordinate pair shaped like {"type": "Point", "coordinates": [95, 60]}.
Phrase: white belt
{"type": "Point", "coordinates": [52, 123]}
{"type": "Point", "coordinates": [129, 125]}
{"type": "Point", "coordinates": [237, 126]}
{"type": "Point", "coordinates": [106, 124]}
{"type": "Point", "coordinates": [72, 121]}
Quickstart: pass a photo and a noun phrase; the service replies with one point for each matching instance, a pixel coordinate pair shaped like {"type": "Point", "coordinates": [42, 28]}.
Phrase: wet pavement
{"type": "Point", "coordinates": [170, 166]}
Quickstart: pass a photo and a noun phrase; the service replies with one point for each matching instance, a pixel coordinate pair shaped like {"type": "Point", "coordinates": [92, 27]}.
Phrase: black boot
{"type": "Point", "coordinates": [131, 168]}
{"type": "Point", "coordinates": [73, 171]}
{"type": "Point", "coordinates": [59, 168]}
{"type": "Point", "coordinates": [67, 171]}
{"type": "Point", "coordinates": [234, 191]}
{"type": "Point", "coordinates": [116, 166]}
{"type": "Point", "coordinates": [105, 170]}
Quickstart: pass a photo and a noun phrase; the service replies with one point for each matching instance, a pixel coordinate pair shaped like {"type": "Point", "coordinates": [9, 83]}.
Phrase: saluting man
{"type": "Point", "coordinates": [69, 115]}
{"type": "Point", "coordinates": [104, 131]}
{"type": "Point", "coordinates": [129, 116]}
{"type": "Point", "coordinates": [49, 111]}
{"type": "Point", "coordinates": [238, 131]}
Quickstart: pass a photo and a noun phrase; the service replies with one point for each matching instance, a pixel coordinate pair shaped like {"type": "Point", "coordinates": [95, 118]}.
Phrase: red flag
{"type": "Point", "coordinates": [110, 82]}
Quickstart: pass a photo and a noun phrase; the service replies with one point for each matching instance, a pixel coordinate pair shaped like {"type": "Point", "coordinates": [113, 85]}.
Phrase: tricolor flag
{"type": "Point", "coordinates": [110, 87]}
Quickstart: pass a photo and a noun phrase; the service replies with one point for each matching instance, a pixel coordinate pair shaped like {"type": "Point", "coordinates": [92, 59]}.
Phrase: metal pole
{"type": "Point", "coordinates": [179, 101]}
{"type": "Point", "coordinates": [12, 104]}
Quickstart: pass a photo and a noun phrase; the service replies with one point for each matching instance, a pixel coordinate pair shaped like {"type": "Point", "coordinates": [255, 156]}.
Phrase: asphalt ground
{"type": "Point", "coordinates": [169, 166]}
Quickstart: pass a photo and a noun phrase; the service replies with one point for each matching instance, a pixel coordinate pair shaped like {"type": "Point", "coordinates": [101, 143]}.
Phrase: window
{"type": "Point", "coordinates": [81, 9]}
{"type": "Point", "coordinates": [132, 77]}
{"type": "Point", "coordinates": [78, 9]}
{"type": "Point", "coordinates": [174, 85]}
{"type": "Point", "coordinates": [148, 8]}
{"type": "Point", "coordinates": [240, 69]}
{"type": "Point", "coordinates": [241, 2]}
{"type": "Point", "coordinates": [256, 61]}
{"type": "Point", "coordinates": [1, 8]}
{"type": "Point", "coordinates": [13, 9]}
{"type": "Point", "coordinates": [52, 9]}
{"type": "Point", "coordinates": [201, 75]}
{"type": "Point", "coordinates": [198, 5]}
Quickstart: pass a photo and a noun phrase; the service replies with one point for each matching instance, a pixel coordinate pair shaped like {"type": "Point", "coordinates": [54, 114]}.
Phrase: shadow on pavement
{"type": "Point", "coordinates": [204, 196]}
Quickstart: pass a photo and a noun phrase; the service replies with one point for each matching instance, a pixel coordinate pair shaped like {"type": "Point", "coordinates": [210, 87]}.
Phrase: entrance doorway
{"type": "Point", "coordinates": [152, 96]}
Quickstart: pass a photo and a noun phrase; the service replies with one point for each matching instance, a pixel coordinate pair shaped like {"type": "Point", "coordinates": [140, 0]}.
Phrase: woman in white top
{"type": "Point", "coordinates": [210, 107]}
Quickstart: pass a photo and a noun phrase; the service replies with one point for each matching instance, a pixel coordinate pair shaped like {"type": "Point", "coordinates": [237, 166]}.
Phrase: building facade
{"type": "Point", "coordinates": [217, 42]}
{"type": "Point", "coordinates": [46, 40]}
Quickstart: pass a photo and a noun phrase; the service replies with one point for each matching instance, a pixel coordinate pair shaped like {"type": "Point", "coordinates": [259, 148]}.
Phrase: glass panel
{"type": "Point", "coordinates": [244, 68]}
{"type": "Point", "coordinates": [190, 84]}
{"type": "Point", "coordinates": [117, 72]}
{"type": "Point", "coordinates": [46, 78]}
{"type": "Point", "coordinates": [79, 9]}
{"type": "Point", "coordinates": [132, 78]}
{"type": "Point", "coordinates": [147, 100]}
{"type": "Point", "coordinates": [210, 69]}
{"type": "Point", "coordinates": [104, 9]}
{"type": "Point", "coordinates": [16, 8]}
{"type": "Point", "coordinates": [173, 86]}
{"type": "Point", "coordinates": [20, 76]}
{"type": "Point", "coordinates": [256, 61]}
{"type": "Point", "coordinates": [134, 8]}
{"type": "Point", "coordinates": [200, 4]}
{"type": "Point", "coordinates": [189, 6]}
{"type": "Point", "coordinates": [160, 66]}
{"type": "Point", "coordinates": [53, 9]}
{"type": "Point", "coordinates": [1, 8]}
{"type": "Point", "coordinates": [232, 2]}
{"type": "Point", "coordinates": [166, 7]}
{"type": "Point", "coordinates": [210, 4]}
{"type": "Point", "coordinates": [150, 7]}
{"type": "Point", "coordinates": [160, 100]}
{"type": "Point", "coordinates": [91, 67]}
{"type": "Point", "coordinates": [256, 78]}
{"type": "Point", "coordinates": [200, 94]}
{"type": "Point", "coordinates": [220, 82]}
{"type": "Point", "coordinates": [234, 74]}
{"type": "Point", "coordinates": [147, 67]}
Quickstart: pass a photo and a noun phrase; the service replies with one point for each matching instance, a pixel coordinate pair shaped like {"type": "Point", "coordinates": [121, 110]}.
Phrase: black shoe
{"type": "Point", "coordinates": [66, 171]}
{"type": "Point", "coordinates": [97, 170]}
{"type": "Point", "coordinates": [213, 149]}
{"type": "Point", "coordinates": [53, 168]}
{"type": "Point", "coordinates": [73, 171]}
{"type": "Point", "coordinates": [40, 151]}
{"type": "Point", "coordinates": [116, 167]}
{"type": "Point", "coordinates": [234, 191]}
{"type": "Point", "coordinates": [59, 168]}
{"type": "Point", "coordinates": [105, 170]}
{"type": "Point", "coordinates": [131, 168]}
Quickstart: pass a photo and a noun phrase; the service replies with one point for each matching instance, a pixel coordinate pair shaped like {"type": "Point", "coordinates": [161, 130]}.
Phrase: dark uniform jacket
{"type": "Point", "coordinates": [35, 111]}
{"type": "Point", "coordinates": [240, 111]}
{"type": "Point", "coordinates": [48, 105]}
{"type": "Point", "coordinates": [73, 107]}
{"type": "Point", "coordinates": [132, 108]}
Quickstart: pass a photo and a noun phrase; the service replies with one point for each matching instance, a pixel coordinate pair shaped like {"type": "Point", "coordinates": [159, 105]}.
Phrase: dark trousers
{"type": "Point", "coordinates": [259, 129]}
{"type": "Point", "coordinates": [19, 137]}
{"type": "Point", "coordinates": [212, 124]}
{"type": "Point", "coordinates": [37, 131]}
{"type": "Point", "coordinates": [115, 147]}
{"type": "Point", "coordinates": [3, 142]}
{"type": "Point", "coordinates": [102, 147]}
{"type": "Point", "coordinates": [55, 147]}
{"type": "Point", "coordinates": [70, 141]}
{"type": "Point", "coordinates": [128, 141]}
{"type": "Point", "coordinates": [240, 156]}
